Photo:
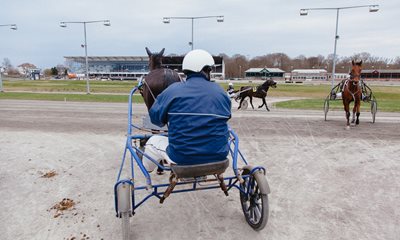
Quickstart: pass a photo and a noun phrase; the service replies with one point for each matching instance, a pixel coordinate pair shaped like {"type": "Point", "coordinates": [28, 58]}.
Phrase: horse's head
{"type": "Point", "coordinates": [155, 59]}
{"type": "Point", "coordinates": [269, 83]}
{"type": "Point", "coordinates": [158, 79]}
{"type": "Point", "coordinates": [356, 68]}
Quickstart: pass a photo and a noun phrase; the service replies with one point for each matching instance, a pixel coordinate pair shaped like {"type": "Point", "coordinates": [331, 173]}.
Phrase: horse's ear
{"type": "Point", "coordinates": [148, 52]}
{"type": "Point", "coordinates": [360, 63]}
{"type": "Point", "coordinates": [352, 62]}
{"type": "Point", "coordinates": [161, 52]}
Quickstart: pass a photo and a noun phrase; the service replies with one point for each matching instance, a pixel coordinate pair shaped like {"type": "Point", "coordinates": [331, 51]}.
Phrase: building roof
{"type": "Point", "coordinates": [309, 71]}
{"type": "Point", "coordinates": [166, 61]}
{"type": "Point", "coordinates": [108, 58]}
{"type": "Point", "coordinates": [271, 70]}
{"type": "Point", "coordinates": [376, 71]}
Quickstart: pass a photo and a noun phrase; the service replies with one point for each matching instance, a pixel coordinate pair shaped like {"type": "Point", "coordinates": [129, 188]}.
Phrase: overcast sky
{"type": "Point", "coordinates": [251, 28]}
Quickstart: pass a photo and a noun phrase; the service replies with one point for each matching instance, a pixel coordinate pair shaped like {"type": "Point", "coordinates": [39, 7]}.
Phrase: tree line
{"type": "Point", "coordinates": [236, 65]}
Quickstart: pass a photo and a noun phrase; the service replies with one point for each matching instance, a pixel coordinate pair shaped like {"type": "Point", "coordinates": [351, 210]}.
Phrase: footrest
{"type": "Point", "coordinates": [198, 170]}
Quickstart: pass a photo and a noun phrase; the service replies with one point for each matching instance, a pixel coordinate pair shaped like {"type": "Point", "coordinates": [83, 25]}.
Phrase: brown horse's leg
{"type": "Point", "coordinates": [347, 110]}
{"type": "Point", "coordinates": [358, 103]}
{"type": "Point", "coordinates": [353, 118]}
{"type": "Point", "coordinates": [251, 101]}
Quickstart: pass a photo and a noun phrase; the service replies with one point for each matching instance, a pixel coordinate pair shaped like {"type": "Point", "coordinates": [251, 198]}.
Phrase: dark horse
{"type": "Point", "coordinates": [258, 92]}
{"type": "Point", "coordinates": [352, 92]}
{"type": "Point", "coordinates": [158, 78]}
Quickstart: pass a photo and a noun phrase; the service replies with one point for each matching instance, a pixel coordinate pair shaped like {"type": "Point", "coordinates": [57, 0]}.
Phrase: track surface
{"type": "Point", "coordinates": [326, 182]}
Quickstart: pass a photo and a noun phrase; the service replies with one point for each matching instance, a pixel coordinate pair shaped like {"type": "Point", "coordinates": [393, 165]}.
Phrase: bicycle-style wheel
{"type": "Point", "coordinates": [254, 199]}
{"type": "Point", "coordinates": [326, 107]}
{"type": "Point", "coordinates": [374, 109]}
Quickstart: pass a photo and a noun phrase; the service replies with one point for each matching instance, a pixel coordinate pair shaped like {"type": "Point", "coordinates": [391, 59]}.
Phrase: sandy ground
{"type": "Point", "coordinates": [326, 182]}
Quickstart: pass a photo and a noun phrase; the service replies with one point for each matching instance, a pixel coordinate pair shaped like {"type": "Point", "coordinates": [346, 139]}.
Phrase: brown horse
{"type": "Point", "coordinates": [158, 79]}
{"type": "Point", "coordinates": [258, 92]}
{"type": "Point", "coordinates": [352, 92]}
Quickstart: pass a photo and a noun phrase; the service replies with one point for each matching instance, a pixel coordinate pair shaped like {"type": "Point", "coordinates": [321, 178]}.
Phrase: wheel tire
{"type": "Point", "coordinates": [374, 109]}
{"type": "Point", "coordinates": [255, 206]}
{"type": "Point", "coordinates": [326, 107]}
{"type": "Point", "coordinates": [126, 227]}
{"type": "Point", "coordinates": [124, 193]}
{"type": "Point", "coordinates": [244, 105]}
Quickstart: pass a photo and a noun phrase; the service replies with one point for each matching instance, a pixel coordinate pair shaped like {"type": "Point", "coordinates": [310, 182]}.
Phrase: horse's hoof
{"type": "Point", "coordinates": [347, 128]}
{"type": "Point", "coordinates": [357, 122]}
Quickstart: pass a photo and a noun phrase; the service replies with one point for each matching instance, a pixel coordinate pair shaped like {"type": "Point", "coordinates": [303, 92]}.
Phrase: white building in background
{"type": "Point", "coordinates": [130, 67]}
{"type": "Point", "coordinates": [301, 75]}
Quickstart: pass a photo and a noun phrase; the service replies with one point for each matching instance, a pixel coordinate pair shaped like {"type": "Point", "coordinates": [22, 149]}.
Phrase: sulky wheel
{"type": "Point", "coordinates": [374, 109]}
{"type": "Point", "coordinates": [124, 208]}
{"type": "Point", "coordinates": [254, 199]}
{"type": "Point", "coordinates": [326, 107]}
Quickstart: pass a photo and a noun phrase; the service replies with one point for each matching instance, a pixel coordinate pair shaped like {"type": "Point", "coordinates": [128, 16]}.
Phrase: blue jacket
{"type": "Point", "coordinates": [197, 112]}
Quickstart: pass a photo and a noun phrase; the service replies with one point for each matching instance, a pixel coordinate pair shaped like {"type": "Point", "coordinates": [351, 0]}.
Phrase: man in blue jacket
{"type": "Point", "coordinates": [196, 111]}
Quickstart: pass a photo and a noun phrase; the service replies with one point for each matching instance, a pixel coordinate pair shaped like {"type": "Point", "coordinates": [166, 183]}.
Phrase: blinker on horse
{"type": "Point", "coordinates": [352, 92]}
{"type": "Point", "coordinates": [157, 79]}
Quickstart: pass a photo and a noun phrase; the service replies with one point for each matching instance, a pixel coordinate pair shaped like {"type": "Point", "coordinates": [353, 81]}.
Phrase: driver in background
{"type": "Point", "coordinates": [230, 90]}
{"type": "Point", "coordinates": [196, 111]}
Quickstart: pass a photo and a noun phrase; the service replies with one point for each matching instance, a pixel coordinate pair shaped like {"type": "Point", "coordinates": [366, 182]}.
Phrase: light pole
{"type": "Point", "coordinates": [167, 20]}
{"type": "Point", "coordinates": [106, 23]}
{"type": "Point", "coordinates": [13, 27]}
{"type": "Point", "coordinates": [304, 12]}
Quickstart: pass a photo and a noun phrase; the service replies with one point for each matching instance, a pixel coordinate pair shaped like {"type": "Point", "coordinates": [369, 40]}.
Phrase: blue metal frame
{"type": "Point", "coordinates": [193, 185]}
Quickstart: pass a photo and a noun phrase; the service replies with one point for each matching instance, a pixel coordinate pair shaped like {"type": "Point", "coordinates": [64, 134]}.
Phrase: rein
{"type": "Point", "coordinates": [346, 85]}
{"type": "Point", "coordinates": [165, 79]}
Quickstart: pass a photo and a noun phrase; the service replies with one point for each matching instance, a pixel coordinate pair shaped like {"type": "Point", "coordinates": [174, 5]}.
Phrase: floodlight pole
{"type": "Point", "coordinates": [12, 27]}
{"type": "Point", "coordinates": [167, 20]}
{"type": "Point", "coordinates": [304, 12]}
{"type": "Point", "coordinates": [106, 23]}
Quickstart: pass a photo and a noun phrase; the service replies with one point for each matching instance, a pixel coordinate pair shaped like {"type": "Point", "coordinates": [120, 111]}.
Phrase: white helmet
{"type": "Point", "coordinates": [196, 60]}
{"type": "Point", "coordinates": [230, 84]}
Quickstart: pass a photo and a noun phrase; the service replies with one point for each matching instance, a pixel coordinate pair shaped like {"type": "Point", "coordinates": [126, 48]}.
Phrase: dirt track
{"type": "Point", "coordinates": [326, 182]}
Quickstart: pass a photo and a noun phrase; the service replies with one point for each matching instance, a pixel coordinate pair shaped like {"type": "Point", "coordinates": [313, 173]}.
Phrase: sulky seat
{"type": "Point", "coordinates": [197, 170]}
{"type": "Point", "coordinates": [194, 171]}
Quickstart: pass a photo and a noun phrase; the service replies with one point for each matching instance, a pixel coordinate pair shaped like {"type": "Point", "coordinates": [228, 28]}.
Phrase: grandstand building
{"type": "Point", "coordinates": [131, 67]}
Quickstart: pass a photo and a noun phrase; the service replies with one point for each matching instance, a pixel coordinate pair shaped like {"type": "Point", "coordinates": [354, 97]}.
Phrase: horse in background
{"type": "Point", "coordinates": [157, 79]}
{"type": "Point", "coordinates": [352, 92]}
{"type": "Point", "coordinates": [258, 92]}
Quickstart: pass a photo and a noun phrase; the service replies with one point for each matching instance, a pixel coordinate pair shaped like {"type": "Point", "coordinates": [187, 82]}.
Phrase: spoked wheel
{"type": "Point", "coordinates": [244, 105]}
{"type": "Point", "coordinates": [255, 199]}
{"type": "Point", "coordinates": [326, 107]}
{"type": "Point", "coordinates": [374, 109]}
